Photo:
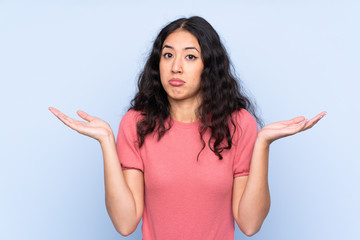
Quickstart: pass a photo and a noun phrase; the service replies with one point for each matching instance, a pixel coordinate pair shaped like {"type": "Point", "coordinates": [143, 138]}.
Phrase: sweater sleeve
{"type": "Point", "coordinates": [245, 135]}
{"type": "Point", "coordinates": [127, 145]}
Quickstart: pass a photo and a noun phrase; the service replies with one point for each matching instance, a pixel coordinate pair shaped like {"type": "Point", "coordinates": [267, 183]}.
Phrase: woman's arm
{"type": "Point", "coordinates": [251, 196]}
{"type": "Point", "coordinates": [124, 190]}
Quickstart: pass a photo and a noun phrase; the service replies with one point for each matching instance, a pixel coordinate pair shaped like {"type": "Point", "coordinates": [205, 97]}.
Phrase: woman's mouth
{"type": "Point", "coordinates": [176, 82]}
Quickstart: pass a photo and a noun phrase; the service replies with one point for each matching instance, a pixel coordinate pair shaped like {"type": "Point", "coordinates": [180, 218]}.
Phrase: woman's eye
{"type": "Point", "coordinates": [191, 57]}
{"type": "Point", "coordinates": [167, 55]}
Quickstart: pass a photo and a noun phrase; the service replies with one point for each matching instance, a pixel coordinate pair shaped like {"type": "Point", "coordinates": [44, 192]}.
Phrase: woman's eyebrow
{"type": "Point", "coordinates": [192, 48]}
{"type": "Point", "coordinates": [167, 46]}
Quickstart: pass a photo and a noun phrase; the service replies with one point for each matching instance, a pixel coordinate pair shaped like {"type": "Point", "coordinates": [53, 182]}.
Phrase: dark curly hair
{"type": "Point", "coordinates": [221, 94]}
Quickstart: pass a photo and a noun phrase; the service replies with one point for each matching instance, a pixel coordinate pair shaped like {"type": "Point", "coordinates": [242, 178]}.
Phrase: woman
{"type": "Point", "coordinates": [183, 152]}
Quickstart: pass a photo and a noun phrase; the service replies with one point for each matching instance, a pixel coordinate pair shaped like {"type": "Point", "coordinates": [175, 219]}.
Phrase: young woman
{"type": "Point", "coordinates": [189, 158]}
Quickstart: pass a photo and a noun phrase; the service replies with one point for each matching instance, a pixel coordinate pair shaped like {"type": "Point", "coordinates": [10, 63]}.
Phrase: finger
{"type": "Point", "coordinates": [72, 123]}
{"type": "Point", "coordinates": [301, 125]}
{"type": "Point", "coordinates": [57, 113]}
{"type": "Point", "coordinates": [321, 115]}
{"type": "Point", "coordinates": [85, 116]}
{"type": "Point", "coordinates": [315, 120]}
{"type": "Point", "coordinates": [53, 110]}
{"type": "Point", "coordinates": [295, 120]}
{"type": "Point", "coordinates": [294, 128]}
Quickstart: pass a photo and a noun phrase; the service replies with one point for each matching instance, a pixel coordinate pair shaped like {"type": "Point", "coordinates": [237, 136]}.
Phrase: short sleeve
{"type": "Point", "coordinates": [127, 145]}
{"type": "Point", "coordinates": [244, 140]}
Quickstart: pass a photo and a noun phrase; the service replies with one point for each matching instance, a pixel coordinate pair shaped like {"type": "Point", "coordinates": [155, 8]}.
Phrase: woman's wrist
{"type": "Point", "coordinates": [108, 139]}
{"type": "Point", "coordinates": [262, 141]}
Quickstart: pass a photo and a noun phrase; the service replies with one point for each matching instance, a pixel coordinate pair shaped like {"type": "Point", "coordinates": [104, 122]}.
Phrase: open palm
{"type": "Point", "coordinates": [274, 131]}
{"type": "Point", "coordinates": [94, 127]}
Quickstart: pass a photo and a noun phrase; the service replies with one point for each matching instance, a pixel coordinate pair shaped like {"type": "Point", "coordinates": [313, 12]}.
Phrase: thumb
{"type": "Point", "coordinates": [84, 115]}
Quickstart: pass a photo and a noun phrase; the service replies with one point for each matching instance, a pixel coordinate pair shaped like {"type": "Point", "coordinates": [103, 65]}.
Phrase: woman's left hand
{"type": "Point", "coordinates": [274, 131]}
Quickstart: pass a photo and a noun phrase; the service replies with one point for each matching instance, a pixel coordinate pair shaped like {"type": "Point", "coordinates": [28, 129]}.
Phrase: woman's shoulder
{"type": "Point", "coordinates": [243, 117]}
{"type": "Point", "coordinates": [132, 115]}
{"type": "Point", "coordinates": [128, 124]}
{"type": "Point", "coordinates": [245, 123]}
{"type": "Point", "coordinates": [130, 118]}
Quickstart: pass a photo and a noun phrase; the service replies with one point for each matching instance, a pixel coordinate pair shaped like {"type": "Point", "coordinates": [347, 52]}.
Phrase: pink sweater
{"type": "Point", "coordinates": [186, 198]}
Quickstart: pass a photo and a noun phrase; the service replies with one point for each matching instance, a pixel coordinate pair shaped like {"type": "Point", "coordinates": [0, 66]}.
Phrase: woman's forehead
{"type": "Point", "coordinates": [181, 40]}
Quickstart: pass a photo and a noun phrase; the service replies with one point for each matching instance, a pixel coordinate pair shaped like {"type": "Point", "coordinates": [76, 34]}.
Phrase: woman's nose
{"type": "Point", "coordinates": [177, 65]}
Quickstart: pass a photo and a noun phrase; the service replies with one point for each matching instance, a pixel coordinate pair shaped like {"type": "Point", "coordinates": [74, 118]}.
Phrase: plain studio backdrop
{"type": "Point", "coordinates": [294, 57]}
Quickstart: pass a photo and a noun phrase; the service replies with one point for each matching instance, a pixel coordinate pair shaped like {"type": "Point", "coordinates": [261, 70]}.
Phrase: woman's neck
{"type": "Point", "coordinates": [184, 111]}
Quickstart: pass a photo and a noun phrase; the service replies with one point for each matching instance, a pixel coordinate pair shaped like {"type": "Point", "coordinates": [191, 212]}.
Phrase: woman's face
{"type": "Point", "coordinates": [181, 66]}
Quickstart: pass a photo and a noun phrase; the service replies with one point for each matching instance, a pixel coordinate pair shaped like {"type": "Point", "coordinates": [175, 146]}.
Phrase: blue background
{"type": "Point", "coordinates": [294, 57]}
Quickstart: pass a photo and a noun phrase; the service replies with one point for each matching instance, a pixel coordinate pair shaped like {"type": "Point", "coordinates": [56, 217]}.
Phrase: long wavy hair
{"type": "Point", "coordinates": [220, 91]}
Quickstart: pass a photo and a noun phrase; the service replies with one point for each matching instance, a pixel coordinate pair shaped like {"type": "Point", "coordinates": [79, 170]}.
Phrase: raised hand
{"type": "Point", "coordinates": [94, 127]}
{"type": "Point", "coordinates": [277, 130]}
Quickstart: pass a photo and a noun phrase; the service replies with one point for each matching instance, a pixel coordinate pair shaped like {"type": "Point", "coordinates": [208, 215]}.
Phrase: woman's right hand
{"type": "Point", "coordinates": [94, 127]}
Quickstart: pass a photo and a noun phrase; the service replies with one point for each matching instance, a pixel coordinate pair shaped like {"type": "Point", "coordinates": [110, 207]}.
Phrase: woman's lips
{"type": "Point", "coordinates": [176, 82]}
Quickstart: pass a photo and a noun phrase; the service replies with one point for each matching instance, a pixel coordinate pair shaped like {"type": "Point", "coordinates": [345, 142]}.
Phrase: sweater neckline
{"type": "Point", "coordinates": [186, 125]}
